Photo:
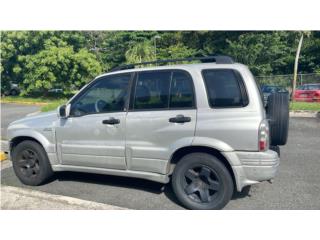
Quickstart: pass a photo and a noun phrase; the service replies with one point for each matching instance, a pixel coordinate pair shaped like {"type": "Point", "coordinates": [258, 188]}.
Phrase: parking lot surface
{"type": "Point", "coordinates": [297, 185]}
{"type": "Point", "coordinates": [11, 112]}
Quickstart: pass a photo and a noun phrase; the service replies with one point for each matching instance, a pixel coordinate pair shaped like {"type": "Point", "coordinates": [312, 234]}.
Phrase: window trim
{"type": "Point", "coordinates": [102, 78]}
{"type": "Point", "coordinates": [133, 88]}
{"type": "Point", "coordinates": [241, 84]}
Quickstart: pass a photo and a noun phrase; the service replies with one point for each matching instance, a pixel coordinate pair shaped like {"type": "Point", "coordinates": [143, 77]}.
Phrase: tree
{"type": "Point", "coordinates": [140, 52]}
{"type": "Point", "coordinates": [176, 51]}
{"type": "Point", "coordinates": [58, 67]}
{"type": "Point", "coordinates": [38, 61]}
{"type": "Point", "coordinates": [15, 44]}
{"type": "Point", "coordinates": [50, 51]}
{"type": "Point", "coordinates": [310, 54]}
{"type": "Point", "coordinates": [265, 53]}
{"type": "Point", "coordinates": [117, 43]}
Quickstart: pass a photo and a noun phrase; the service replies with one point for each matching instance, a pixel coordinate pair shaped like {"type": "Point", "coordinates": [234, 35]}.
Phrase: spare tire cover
{"type": "Point", "coordinates": [278, 114]}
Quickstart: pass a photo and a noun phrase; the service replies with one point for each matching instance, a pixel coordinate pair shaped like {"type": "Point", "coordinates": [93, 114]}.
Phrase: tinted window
{"type": "Point", "coordinates": [313, 87]}
{"type": "Point", "coordinates": [224, 88]}
{"type": "Point", "coordinates": [106, 95]}
{"type": "Point", "coordinates": [181, 91]}
{"type": "Point", "coordinates": [152, 90]}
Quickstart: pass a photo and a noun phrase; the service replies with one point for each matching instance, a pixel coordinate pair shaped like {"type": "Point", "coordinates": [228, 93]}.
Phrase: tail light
{"type": "Point", "coordinates": [263, 143]}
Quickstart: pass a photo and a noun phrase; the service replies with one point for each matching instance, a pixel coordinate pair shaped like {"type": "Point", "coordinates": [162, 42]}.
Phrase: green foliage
{"type": "Point", "coordinates": [310, 53]}
{"type": "Point", "coordinates": [58, 67]}
{"type": "Point", "coordinates": [53, 105]}
{"type": "Point", "coordinates": [264, 53]}
{"type": "Point", "coordinates": [140, 52]}
{"type": "Point", "coordinates": [176, 51]}
{"type": "Point", "coordinates": [40, 60]}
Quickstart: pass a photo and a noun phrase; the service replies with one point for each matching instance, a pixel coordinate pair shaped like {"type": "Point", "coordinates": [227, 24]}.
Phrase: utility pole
{"type": "Point", "coordinates": [295, 72]}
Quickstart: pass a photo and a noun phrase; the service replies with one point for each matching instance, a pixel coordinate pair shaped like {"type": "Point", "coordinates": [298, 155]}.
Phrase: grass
{"type": "Point", "coordinates": [53, 105]}
{"type": "Point", "coordinates": [308, 106]}
{"type": "Point", "coordinates": [29, 100]}
{"type": "Point", "coordinates": [48, 104]}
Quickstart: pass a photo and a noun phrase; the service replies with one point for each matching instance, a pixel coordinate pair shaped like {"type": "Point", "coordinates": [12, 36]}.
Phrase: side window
{"type": "Point", "coordinates": [152, 90]}
{"type": "Point", "coordinates": [108, 94]}
{"type": "Point", "coordinates": [224, 88]}
{"type": "Point", "coordinates": [181, 91]}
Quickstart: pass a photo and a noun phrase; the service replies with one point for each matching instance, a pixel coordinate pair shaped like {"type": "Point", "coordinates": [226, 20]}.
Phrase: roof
{"type": "Point", "coordinates": [188, 67]}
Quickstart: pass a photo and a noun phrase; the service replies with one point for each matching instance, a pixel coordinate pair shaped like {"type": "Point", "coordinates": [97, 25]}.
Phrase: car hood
{"type": "Point", "coordinates": [41, 120]}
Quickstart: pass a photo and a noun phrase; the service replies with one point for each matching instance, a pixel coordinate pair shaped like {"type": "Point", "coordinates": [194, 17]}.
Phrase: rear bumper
{"type": "Point", "coordinates": [255, 167]}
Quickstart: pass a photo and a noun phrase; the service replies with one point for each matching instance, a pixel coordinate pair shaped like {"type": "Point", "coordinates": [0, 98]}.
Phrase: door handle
{"type": "Point", "coordinates": [111, 121]}
{"type": "Point", "coordinates": [180, 119]}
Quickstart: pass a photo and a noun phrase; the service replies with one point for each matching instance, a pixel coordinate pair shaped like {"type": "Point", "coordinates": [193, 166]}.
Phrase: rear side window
{"type": "Point", "coordinates": [163, 90]}
{"type": "Point", "coordinates": [181, 91]}
{"type": "Point", "coordinates": [152, 90]}
{"type": "Point", "coordinates": [225, 88]}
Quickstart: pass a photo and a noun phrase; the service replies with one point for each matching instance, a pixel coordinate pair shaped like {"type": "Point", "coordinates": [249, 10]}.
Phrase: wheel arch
{"type": "Point", "coordinates": [181, 152]}
{"type": "Point", "coordinates": [19, 139]}
{"type": "Point", "coordinates": [20, 135]}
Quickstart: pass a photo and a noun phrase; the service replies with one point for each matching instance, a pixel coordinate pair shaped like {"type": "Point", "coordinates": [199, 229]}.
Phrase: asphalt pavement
{"type": "Point", "coordinates": [297, 185]}
{"type": "Point", "coordinates": [11, 112]}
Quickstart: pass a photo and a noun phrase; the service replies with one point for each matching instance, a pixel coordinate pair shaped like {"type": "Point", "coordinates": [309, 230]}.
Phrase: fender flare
{"type": "Point", "coordinates": [28, 133]}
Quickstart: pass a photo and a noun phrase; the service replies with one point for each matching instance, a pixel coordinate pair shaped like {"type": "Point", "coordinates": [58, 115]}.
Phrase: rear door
{"type": "Point", "coordinates": [162, 117]}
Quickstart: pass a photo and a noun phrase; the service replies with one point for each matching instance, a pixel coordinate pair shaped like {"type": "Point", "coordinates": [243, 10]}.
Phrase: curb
{"type": "Point", "coordinates": [3, 156]}
{"type": "Point", "coordinates": [4, 149]}
{"type": "Point", "coordinates": [23, 199]}
{"type": "Point", "coordinates": [305, 114]}
{"type": "Point", "coordinates": [4, 146]}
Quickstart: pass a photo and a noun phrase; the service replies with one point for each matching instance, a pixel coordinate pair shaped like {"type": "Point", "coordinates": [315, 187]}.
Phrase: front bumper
{"type": "Point", "coordinates": [255, 167]}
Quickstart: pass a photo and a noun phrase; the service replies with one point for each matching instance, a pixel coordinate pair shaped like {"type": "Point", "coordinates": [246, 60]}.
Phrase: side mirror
{"type": "Point", "coordinates": [64, 111]}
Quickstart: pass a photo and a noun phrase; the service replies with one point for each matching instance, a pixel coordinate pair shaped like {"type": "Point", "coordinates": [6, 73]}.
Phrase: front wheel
{"type": "Point", "coordinates": [201, 182]}
{"type": "Point", "coordinates": [30, 163]}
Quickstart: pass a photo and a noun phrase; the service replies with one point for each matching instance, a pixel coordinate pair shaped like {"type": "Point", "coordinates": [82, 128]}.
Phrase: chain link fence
{"type": "Point", "coordinates": [286, 80]}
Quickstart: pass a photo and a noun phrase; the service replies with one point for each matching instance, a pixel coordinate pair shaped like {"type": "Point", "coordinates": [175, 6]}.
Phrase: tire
{"type": "Point", "coordinates": [276, 149]}
{"type": "Point", "coordinates": [278, 114]}
{"type": "Point", "coordinates": [31, 164]}
{"type": "Point", "coordinates": [194, 190]}
{"type": "Point", "coordinates": [13, 92]}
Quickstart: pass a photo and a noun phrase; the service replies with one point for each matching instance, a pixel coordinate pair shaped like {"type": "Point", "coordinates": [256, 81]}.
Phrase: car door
{"type": "Point", "coordinates": [94, 133]}
{"type": "Point", "coordinates": [161, 118]}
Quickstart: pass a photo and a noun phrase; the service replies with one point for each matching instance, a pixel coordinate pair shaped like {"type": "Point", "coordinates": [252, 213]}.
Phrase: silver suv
{"type": "Point", "coordinates": [201, 126]}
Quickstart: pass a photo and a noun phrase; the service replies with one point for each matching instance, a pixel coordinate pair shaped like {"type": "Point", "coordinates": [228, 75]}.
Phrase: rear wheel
{"type": "Point", "coordinates": [200, 181]}
{"type": "Point", "coordinates": [30, 163]}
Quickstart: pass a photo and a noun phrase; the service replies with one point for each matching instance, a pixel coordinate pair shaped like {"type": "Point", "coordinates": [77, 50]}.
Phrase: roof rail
{"type": "Point", "coordinates": [216, 59]}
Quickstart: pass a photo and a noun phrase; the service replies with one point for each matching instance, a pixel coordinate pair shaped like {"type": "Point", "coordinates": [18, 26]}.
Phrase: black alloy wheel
{"type": "Point", "coordinates": [201, 184]}
{"type": "Point", "coordinates": [201, 181]}
{"type": "Point", "coordinates": [28, 163]}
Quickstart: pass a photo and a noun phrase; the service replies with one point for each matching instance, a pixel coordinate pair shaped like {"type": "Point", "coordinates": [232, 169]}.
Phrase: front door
{"type": "Point", "coordinates": [162, 117]}
{"type": "Point", "coordinates": [94, 134]}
